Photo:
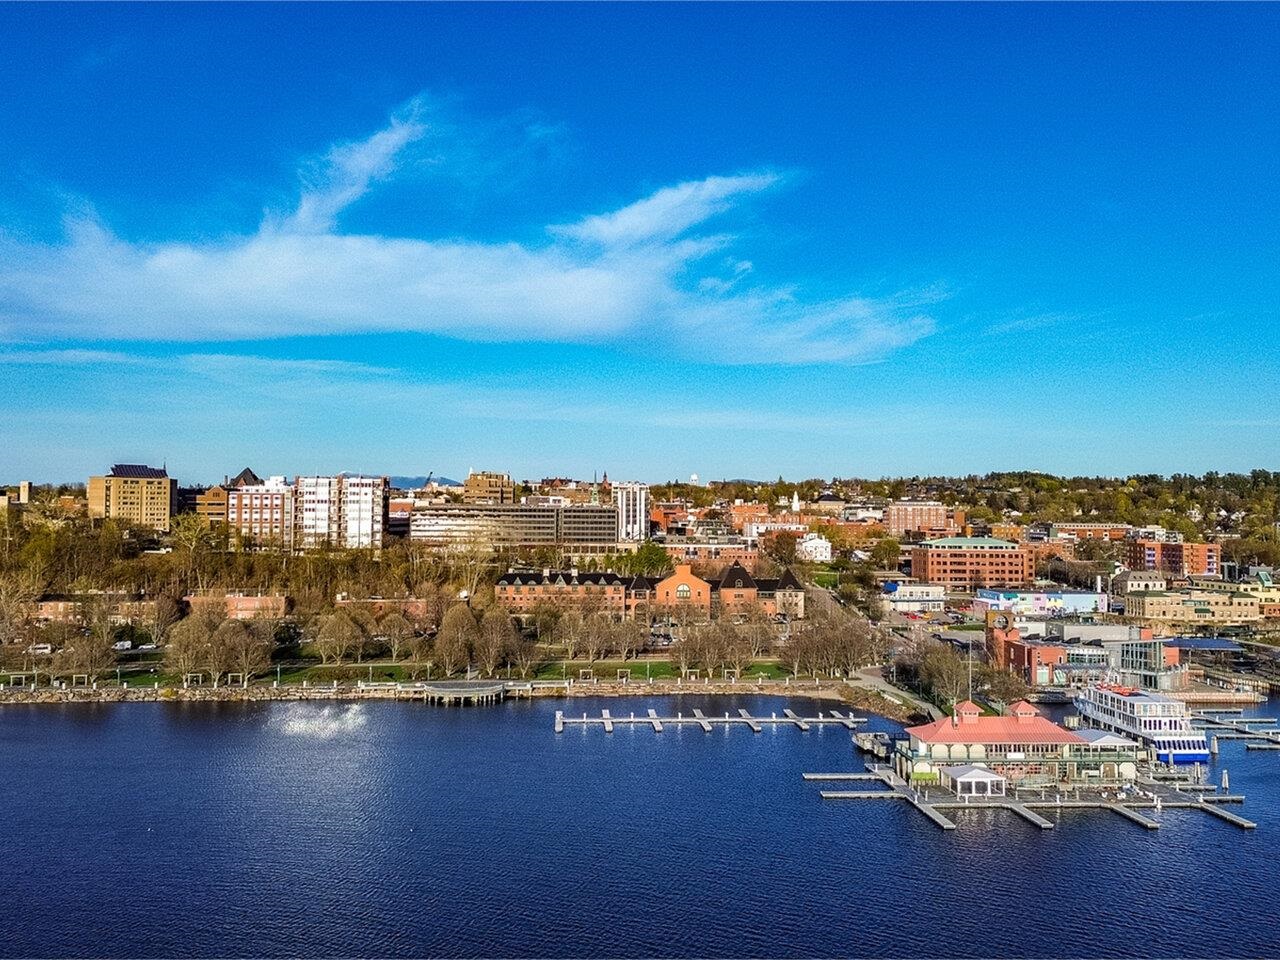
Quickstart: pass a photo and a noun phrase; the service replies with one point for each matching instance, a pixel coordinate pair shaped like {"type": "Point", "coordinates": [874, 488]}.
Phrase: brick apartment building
{"type": "Point", "coordinates": [1177, 558]}
{"type": "Point", "coordinates": [967, 563]}
{"type": "Point", "coordinates": [903, 515]}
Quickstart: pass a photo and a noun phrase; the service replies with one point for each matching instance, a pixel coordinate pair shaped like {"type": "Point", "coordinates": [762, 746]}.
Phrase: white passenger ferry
{"type": "Point", "coordinates": [1159, 720]}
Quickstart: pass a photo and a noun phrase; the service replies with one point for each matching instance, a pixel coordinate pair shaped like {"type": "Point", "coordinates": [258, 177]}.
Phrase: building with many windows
{"type": "Point", "coordinates": [970, 563]}
{"type": "Point", "coordinates": [262, 514]}
{"type": "Point", "coordinates": [363, 512]}
{"type": "Point", "coordinates": [1192, 608]}
{"type": "Point", "coordinates": [487, 487]}
{"type": "Point", "coordinates": [1174, 557]}
{"type": "Point", "coordinates": [145, 496]}
{"type": "Point", "coordinates": [318, 512]}
{"type": "Point", "coordinates": [712, 550]}
{"type": "Point", "coordinates": [682, 594]}
{"type": "Point", "coordinates": [581, 529]}
{"type": "Point", "coordinates": [632, 503]}
{"type": "Point", "coordinates": [903, 515]}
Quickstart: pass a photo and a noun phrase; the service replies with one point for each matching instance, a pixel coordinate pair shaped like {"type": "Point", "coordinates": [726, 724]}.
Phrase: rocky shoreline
{"type": "Point", "coordinates": [853, 696]}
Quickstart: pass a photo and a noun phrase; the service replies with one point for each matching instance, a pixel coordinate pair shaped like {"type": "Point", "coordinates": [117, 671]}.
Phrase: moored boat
{"type": "Point", "coordinates": [1160, 721]}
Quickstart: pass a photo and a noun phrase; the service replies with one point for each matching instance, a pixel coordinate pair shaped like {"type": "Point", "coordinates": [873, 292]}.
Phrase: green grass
{"type": "Point", "coordinates": [826, 578]}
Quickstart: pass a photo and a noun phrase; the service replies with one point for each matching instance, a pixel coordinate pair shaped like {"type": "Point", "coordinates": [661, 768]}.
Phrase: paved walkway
{"type": "Point", "coordinates": [871, 679]}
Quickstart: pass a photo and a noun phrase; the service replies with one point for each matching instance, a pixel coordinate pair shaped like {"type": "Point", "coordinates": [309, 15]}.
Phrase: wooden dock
{"type": "Point", "coordinates": [707, 723]}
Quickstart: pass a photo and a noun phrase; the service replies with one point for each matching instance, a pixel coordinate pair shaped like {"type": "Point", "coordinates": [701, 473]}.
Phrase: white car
{"type": "Point", "coordinates": [40, 648]}
{"type": "Point", "coordinates": [122, 645]}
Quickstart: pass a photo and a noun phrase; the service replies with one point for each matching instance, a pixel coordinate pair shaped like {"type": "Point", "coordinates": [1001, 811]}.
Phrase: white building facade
{"type": "Point", "coordinates": [319, 512]}
{"type": "Point", "coordinates": [363, 513]}
{"type": "Point", "coordinates": [813, 548]}
{"type": "Point", "coordinates": [914, 597]}
{"type": "Point", "coordinates": [632, 502]}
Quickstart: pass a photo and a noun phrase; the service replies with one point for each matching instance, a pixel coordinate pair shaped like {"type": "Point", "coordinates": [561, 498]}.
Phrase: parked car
{"type": "Point", "coordinates": [122, 645]}
{"type": "Point", "coordinates": [40, 648]}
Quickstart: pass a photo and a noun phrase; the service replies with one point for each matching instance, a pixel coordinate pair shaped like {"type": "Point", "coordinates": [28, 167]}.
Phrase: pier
{"type": "Point", "coordinates": [446, 692]}
{"type": "Point", "coordinates": [1227, 727]}
{"type": "Point", "coordinates": [898, 789]}
{"type": "Point", "coordinates": [699, 719]}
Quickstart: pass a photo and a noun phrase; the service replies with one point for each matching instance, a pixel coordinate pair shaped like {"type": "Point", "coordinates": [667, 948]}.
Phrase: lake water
{"type": "Point", "coordinates": [391, 829]}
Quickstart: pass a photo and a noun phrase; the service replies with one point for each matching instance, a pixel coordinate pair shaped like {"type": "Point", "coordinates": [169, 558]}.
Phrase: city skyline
{"type": "Point", "coordinates": [918, 240]}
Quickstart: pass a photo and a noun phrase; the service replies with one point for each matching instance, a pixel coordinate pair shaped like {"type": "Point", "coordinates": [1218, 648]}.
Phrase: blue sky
{"type": "Point", "coordinates": [857, 240]}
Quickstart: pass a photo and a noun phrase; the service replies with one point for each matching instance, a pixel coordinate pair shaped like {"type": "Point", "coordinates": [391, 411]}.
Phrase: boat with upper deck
{"type": "Point", "coordinates": [1161, 721]}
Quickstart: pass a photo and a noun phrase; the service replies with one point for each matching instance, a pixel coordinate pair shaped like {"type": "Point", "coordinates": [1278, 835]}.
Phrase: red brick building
{"type": "Point", "coordinates": [967, 563]}
{"type": "Point", "coordinates": [734, 592]}
{"type": "Point", "coordinates": [1180, 559]}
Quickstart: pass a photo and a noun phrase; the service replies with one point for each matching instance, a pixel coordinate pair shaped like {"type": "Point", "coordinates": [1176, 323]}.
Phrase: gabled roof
{"type": "Point", "coordinates": [971, 773]}
{"type": "Point", "coordinates": [137, 471]}
{"type": "Point", "coordinates": [788, 581]}
{"type": "Point", "coordinates": [246, 478]}
{"type": "Point", "coordinates": [736, 577]}
{"type": "Point", "coordinates": [520, 578]}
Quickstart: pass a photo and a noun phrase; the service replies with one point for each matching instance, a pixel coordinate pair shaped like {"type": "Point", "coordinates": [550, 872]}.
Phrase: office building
{"type": "Point", "coordinates": [485, 487]}
{"type": "Point", "coordinates": [141, 495]}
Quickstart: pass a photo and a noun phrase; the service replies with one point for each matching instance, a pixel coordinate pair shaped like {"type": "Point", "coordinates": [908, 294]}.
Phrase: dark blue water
{"type": "Point", "coordinates": [399, 830]}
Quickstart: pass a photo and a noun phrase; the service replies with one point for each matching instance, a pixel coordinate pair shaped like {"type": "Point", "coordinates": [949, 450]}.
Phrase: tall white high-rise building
{"type": "Point", "coordinates": [364, 512]}
{"type": "Point", "coordinates": [319, 512]}
{"type": "Point", "coordinates": [632, 502]}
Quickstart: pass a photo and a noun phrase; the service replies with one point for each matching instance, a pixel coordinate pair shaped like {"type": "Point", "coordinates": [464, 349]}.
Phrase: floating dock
{"type": "Point", "coordinates": [707, 723]}
{"type": "Point", "coordinates": [1223, 726]}
{"type": "Point", "coordinates": [897, 789]}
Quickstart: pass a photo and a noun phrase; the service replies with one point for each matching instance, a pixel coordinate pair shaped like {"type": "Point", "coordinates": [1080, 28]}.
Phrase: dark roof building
{"type": "Point", "coordinates": [245, 478]}
{"type": "Point", "coordinates": [136, 471]}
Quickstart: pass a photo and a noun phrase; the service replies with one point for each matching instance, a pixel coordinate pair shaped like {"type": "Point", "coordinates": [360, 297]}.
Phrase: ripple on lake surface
{"type": "Point", "coordinates": [404, 830]}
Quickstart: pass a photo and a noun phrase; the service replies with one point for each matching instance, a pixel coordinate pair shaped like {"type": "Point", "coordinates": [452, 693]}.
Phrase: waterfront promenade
{"type": "Point", "coordinates": [459, 692]}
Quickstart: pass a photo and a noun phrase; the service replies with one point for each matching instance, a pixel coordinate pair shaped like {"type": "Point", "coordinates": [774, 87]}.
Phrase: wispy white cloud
{"type": "Point", "coordinates": [632, 272]}
{"type": "Point", "coordinates": [349, 169]}
{"type": "Point", "coordinates": [667, 213]}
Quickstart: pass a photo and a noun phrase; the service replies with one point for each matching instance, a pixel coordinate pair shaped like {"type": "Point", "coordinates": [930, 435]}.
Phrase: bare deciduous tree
{"type": "Point", "coordinates": [494, 641]}
{"type": "Point", "coordinates": [337, 638]}
{"type": "Point", "coordinates": [457, 636]}
{"type": "Point", "coordinates": [397, 629]}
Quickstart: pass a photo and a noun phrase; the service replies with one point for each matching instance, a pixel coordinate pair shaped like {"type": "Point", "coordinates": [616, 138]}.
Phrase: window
{"type": "Point", "coordinates": [683, 592]}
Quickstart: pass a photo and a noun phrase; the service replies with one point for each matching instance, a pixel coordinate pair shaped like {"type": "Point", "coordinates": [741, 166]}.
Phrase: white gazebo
{"type": "Point", "coordinates": [969, 780]}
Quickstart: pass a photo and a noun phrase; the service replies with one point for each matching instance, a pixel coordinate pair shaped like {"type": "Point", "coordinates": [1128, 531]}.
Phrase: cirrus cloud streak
{"type": "Point", "coordinates": [638, 271]}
